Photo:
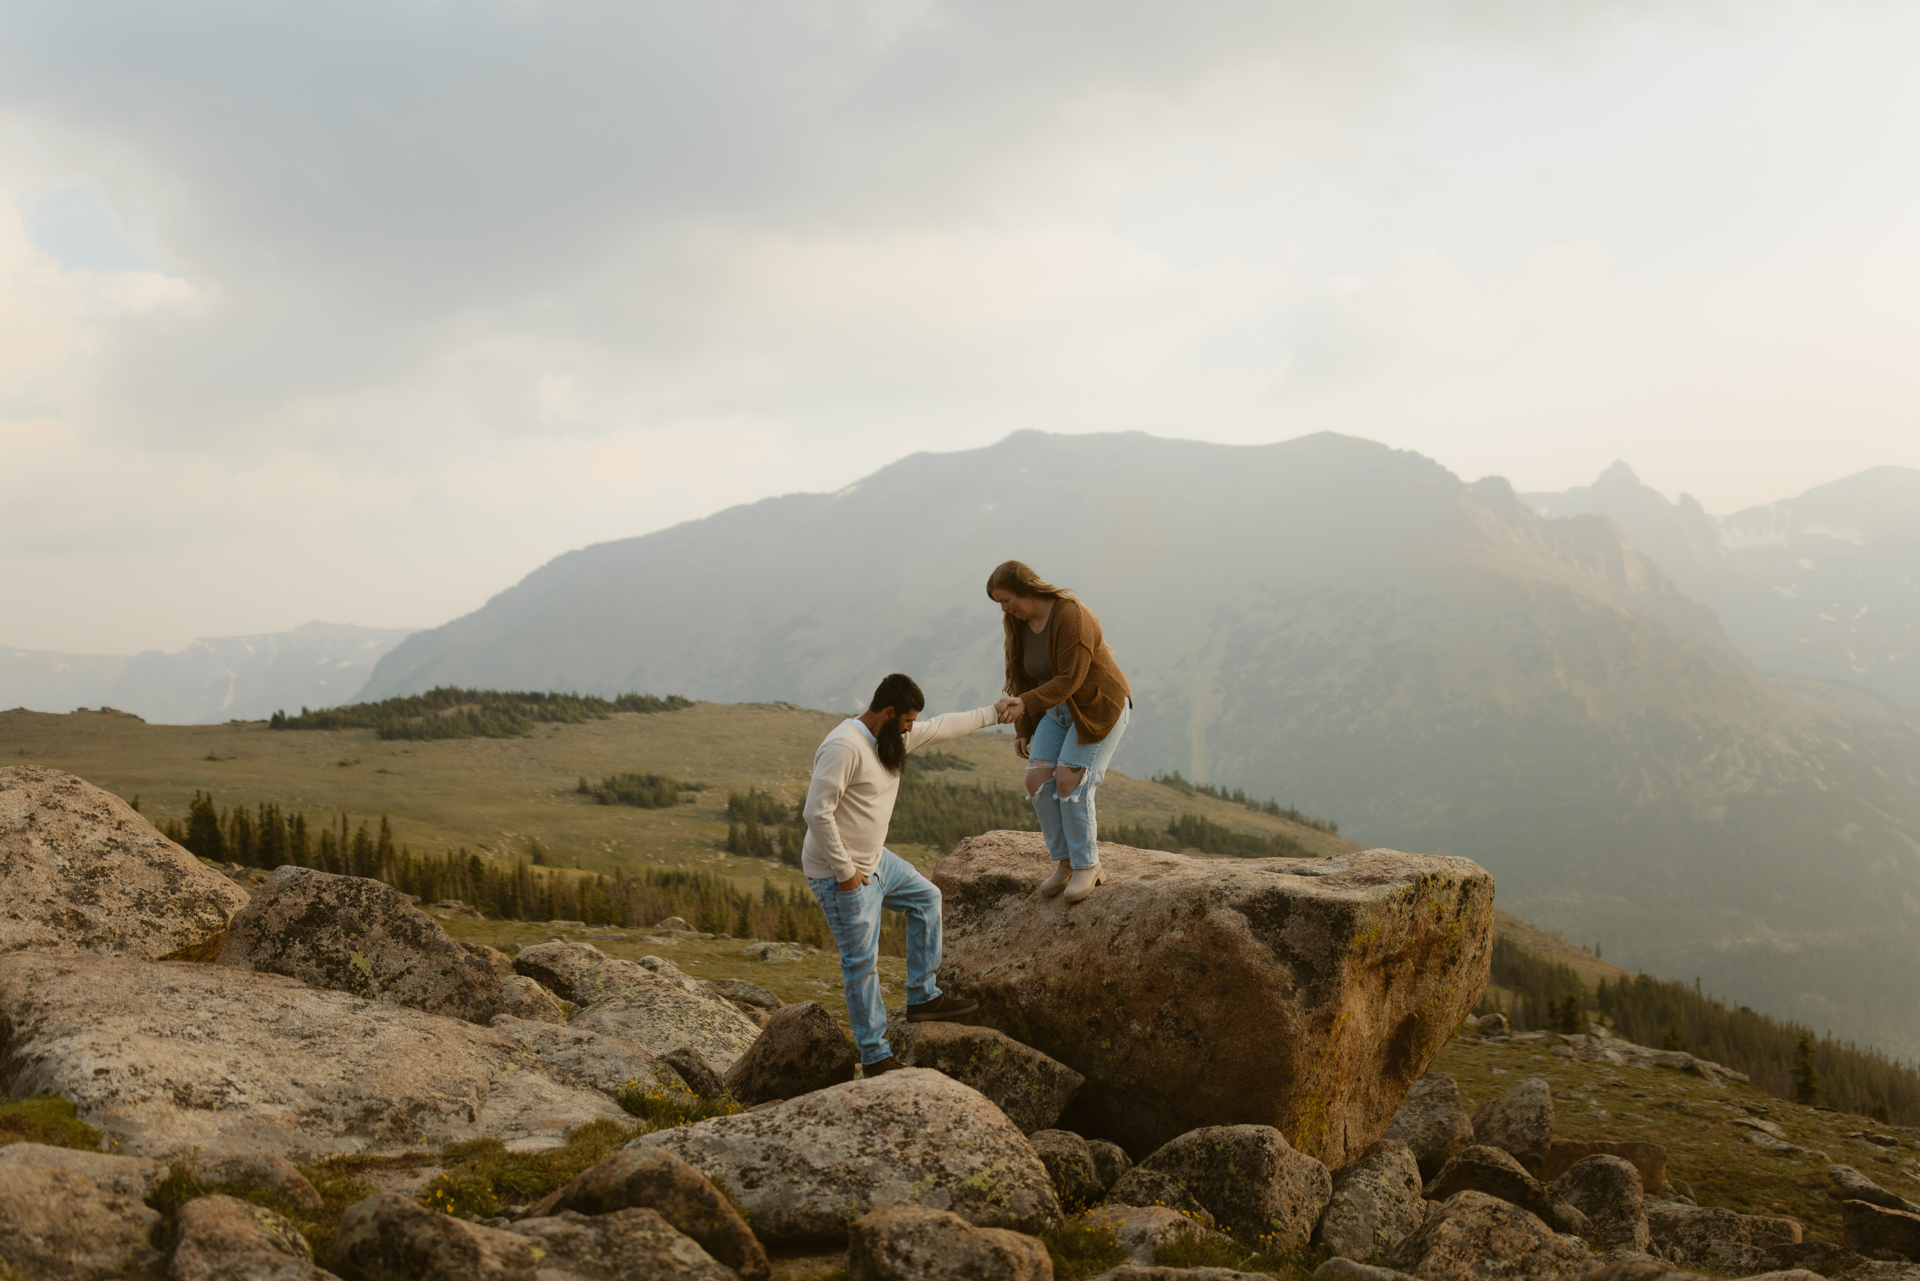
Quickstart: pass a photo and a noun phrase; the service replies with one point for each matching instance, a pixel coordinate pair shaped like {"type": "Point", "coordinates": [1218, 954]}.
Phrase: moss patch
{"type": "Point", "coordinates": [45, 1119]}
{"type": "Point", "coordinates": [333, 1180]}
{"type": "Point", "coordinates": [1080, 1249]}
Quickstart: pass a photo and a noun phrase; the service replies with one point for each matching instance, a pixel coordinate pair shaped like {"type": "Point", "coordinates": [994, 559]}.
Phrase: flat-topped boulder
{"type": "Point", "coordinates": [163, 1057]}
{"type": "Point", "coordinates": [82, 872]}
{"type": "Point", "coordinates": [1355, 970]}
{"type": "Point", "coordinates": [661, 1009]}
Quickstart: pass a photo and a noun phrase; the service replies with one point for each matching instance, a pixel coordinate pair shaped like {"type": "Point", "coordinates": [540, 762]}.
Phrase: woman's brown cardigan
{"type": "Point", "coordinates": [1085, 676]}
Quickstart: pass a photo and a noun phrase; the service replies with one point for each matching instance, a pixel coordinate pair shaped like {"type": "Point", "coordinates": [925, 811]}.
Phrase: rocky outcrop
{"type": "Point", "coordinates": [1607, 1190]}
{"type": "Point", "coordinates": [1519, 1122]}
{"type": "Point", "coordinates": [1070, 1165]}
{"type": "Point", "coordinates": [913, 1243]}
{"type": "Point", "coordinates": [357, 935]}
{"type": "Point", "coordinates": [804, 1170]}
{"type": "Point", "coordinates": [81, 871]}
{"type": "Point", "coordinates": [1249, 1179]}
{"type": "Point", "coordinates": [1032, 1089]}
{"type": "Point", "coordinates": [219, 1238]}
{"type": "Point", "coordinates": [625, 998]}
{"type": "Point", "coordinates": [1719, 1240]}
{"type": "Point", "coordinates": [1432, 1122]}
{"type": "Point", "coordinates": [800, 1050]}
{"type": "Point", "coordinates": [163, 1057]}
{"type": "Point", "coordinates": [1600, 1046]}
{"type": "Point", "coordinates": [1376, 1203]}
{"type": "Point", "coordinates": [57, 1226]}
{"type": "Point", "coordinates": [1473, 1237]}
{"type": "Point", "coordinates": [388, 1236]}
{"type": "Point", "coordinates": [1869, 1228]}
{"type": "Point", "coordinates": [1356, 968]}
{"type": "Point", "coordinates": [655, 1179]}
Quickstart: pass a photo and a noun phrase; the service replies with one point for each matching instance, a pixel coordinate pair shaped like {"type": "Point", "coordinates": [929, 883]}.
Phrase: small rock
{"type": "Point", "coordinates": [1029, 1087]}
{"type": "Point", "coordinates": [1145, 1188]}
{"type": "Point", "coordinates": [1869, 1228]}
{"type": "Point", "coordinates": [1493, 1025]}
{"type": "Point", "coordinates": [1520, 1122]}
{"type": "Point", "coordinates": [802, 1171]}
{"type": "Point", "coordinates": [741, 992]}
{"type": "Point", "coordinates": [1432, 1122]}
{"type": "Point", "coordinates": [801, 1050]}
{"type": "Point", "coordinates": [1650, 1159]}
{"type": "Point", "coordinates": [496, 960]}
{"type": "Point", "coordinates": [657, 1180]}
{"type": "Point", "coordinates": [128, 1175]}
{"type": "Point", "coordinates": [1495, 1172]}
{"type": "Point", "coordinates": [695, 1071]}
{"type": "Point", "coordinates": [1110, 1161]}
{"type": "Point", "coordinates": [270, 1173]}
{"type": "Point", "coordinates": [56, 1225]}
{"type": "Point", "coordinates": [523, 998]}
{"type": "Point", "coordinates": [1765, 1127]}
{"type": "Point", "coordinates": [1249, 1178]}
{"type": "Point", "coordinates": [1849, 1184]}
{"type": "Point", "coordinates": [1070, 1166]}
{"type": "Point", "coordinates": [673, 974]}
{"type": "Point", "coordinates": [775, 953]}
{"type": "Point", "coordinates": [1472, 1236]}
{"type": "Point", "coordinates": [1607, 1190]}
{"type": "Point", "coordinates": [1141, 1230]}
{"type": "Point", "coordinates": [674, 925]}
{"type": "Point", "coordinates": [914, 1243]}
{"type": "Point", "coordinates": [220, 1238]}
{"type": "Point", "coordinates": [1376, 1202]}
{"type": "Point", "coordinates": [352, 934]}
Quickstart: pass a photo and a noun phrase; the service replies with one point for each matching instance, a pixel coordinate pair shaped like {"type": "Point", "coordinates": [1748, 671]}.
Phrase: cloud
{"type": "Point", "coordinates": [373, 307]}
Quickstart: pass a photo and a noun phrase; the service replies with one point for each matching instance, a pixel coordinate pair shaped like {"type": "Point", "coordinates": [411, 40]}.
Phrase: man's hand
{"type": "Point", "coordinates": [848, 886]}
{"type": "Point", "coordinates": [1008, 709]}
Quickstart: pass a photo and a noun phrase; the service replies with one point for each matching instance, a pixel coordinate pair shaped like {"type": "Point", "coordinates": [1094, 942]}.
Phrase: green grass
{"type": "Point", "coordinates": [1080, 1249]}
{"type": "Point", "coordinates": [48, 1120]}
{"type": "Point", "coordinates": [334, 1180]}
{"type": "Point", "coordinates": [662, 1107]}
{"type": "Point", "coordinates": [496, 796]}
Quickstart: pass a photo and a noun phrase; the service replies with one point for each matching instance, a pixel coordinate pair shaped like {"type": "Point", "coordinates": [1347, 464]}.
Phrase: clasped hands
{"type": "Point", "coordinates": [1008, 709]}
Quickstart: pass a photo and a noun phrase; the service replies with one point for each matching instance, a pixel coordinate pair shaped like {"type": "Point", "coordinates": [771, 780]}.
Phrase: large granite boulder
{"type": "Point", "coordinates": [1607, 1190]}
{"type": "Point", "coordinates": [1851, 1185]}
{"type": "Point", "coordinates": [1720, 1240]}
{"type": "Point", "coordinates": [1356, 969]}
{"type": "Point", "coordinates": [82, 871]}
{"type": "Point", "coordinates": [1495, 1172]}
{"type": "Point", "coordinates": [662, 1012]}
{"type": "Point", "coordinates": [802, 1171]}
{"type": "Point", "coordinates": [800, 1050]}
{"type": "Point", "coordinates": [595, 1060]}
{"type": "Point", "coordinates": [914, 1243]}
{"type": "Point", "coordinates": [1869, 1228]}
{"type": "Point", "coordinates": [1475, 1237]}
{"type": "Point", "coordinates": [357, 935]}
{"type": "Point", "coordinates": [219, 1238]}
{"type": "Point", "coordinates": [167, 1056]}
{"type": "Point", "coordinates": [386, 1237]}
{"type": "Point", "coordinates": [1432, 1122]}
{"type": "Point", "coordinates": [132, 1176]}
{"type": "Point", "coordinates": [56, 1225]}
{"type": "Point", "coordinates": [1070, 1165]}
{"type": "Point", "coordinates": [1249, 1179]}
{"type": "Point", "coordinates": [1520, 1122]}
{"type": "Point", "coordinates": [1032, 1089]}
{"type": "Point", "coordinates": [1376, 1203]}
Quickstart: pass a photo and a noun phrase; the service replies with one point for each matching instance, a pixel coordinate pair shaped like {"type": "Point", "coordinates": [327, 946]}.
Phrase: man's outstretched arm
{"type": "Point", "coordinates": [938, 729]}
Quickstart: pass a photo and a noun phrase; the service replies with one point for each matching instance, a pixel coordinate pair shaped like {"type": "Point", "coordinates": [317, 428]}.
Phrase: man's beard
{"type": "Point", "coordinates": [892, 745]}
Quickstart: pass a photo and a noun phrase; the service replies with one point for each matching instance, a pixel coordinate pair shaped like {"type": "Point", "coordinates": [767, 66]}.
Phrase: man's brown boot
{"type": "Point", "coordinates": [888, 1064]}
{"type": "Point", "coordinates": [944, 1006]}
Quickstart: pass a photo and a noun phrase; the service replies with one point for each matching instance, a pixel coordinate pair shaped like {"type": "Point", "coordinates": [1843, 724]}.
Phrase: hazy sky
{"type": "Point", "coordinates": [360, 311]}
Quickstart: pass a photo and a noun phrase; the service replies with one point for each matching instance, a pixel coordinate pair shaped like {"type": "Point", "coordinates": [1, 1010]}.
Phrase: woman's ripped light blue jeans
{"type": "Point", "coordinates": [1068, 822]}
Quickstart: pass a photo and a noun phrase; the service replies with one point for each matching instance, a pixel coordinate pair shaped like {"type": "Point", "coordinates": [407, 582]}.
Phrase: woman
{"type": "Point", "coordinates": [1073, 706]}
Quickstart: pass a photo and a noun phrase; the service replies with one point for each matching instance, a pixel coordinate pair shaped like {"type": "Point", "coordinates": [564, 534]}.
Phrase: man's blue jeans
{"type": "Point", "coordinates": [854, 918]}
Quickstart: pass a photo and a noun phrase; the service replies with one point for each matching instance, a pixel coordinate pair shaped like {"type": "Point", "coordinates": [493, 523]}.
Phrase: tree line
{"type": "Point", "coordinates": [1784, 1058]}
{"type": "Point", "coordinates": [1239, 797]}
{"type": "Point", "coordinates": [643, 791]}
{"type": "Point", "coordinates": [449, 712]}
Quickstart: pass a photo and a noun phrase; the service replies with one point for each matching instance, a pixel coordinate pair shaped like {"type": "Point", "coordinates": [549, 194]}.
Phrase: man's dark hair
{"type": "Point", "coordinates": [900, 693]}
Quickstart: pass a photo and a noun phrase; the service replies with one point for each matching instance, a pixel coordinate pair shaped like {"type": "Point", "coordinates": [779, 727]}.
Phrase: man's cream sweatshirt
{"type": "Point", "coordinates": [850, 800]}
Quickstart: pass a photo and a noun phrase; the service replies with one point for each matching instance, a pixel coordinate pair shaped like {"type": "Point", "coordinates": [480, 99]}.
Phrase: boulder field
{"type": "Point", "coordinates": [1248, 1071]}
{"type": "Point", "coordinates": [1303, 994]}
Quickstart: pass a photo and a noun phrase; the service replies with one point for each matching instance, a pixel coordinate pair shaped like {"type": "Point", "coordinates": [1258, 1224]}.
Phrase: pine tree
{"type": "Point", "coordinates": [1806, 1081]}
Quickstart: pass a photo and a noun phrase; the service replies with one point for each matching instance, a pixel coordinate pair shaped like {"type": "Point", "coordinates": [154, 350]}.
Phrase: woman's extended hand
{"type": "Point", "coordinates": [1010, 709]}
{"type": "Point", "coordinates": [1020, 747]}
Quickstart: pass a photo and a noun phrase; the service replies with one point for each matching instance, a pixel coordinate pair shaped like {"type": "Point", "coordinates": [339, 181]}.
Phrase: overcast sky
{"type": "Point", "coordinates": [360, 311]}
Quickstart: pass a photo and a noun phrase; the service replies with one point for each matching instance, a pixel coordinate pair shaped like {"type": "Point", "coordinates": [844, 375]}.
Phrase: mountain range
{"type": "Point", "coordinates": [1435, 663]}
{"type": "Point", "coordinates": [214, 679]}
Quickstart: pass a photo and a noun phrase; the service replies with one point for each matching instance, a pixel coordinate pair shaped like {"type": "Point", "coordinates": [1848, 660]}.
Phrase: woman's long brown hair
{"type": "Point", "coordinates": [1016, 577]}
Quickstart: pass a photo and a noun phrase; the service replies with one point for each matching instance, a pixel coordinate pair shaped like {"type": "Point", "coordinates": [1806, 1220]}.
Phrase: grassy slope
{"type": "Point", "coordinates": [497, 794]}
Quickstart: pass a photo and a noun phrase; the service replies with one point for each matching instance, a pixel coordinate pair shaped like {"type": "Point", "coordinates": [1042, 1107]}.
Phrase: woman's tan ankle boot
{"type": "Point", "coordinates": [1082, 882]}
{"type": "Point", "coordinates": [1057, 881]}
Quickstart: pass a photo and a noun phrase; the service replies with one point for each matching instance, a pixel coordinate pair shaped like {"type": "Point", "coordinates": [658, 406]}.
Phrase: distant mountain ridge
{"type": "Point", "coordinates": [1344, 626]}
{"type": "Point", "coordinates": [213, 679]}
{"type": "Point", "coordinates": [1825, 585]}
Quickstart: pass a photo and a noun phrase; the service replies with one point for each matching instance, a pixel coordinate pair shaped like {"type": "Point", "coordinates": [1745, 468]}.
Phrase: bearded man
{"type": "Point", "coordinates": [856, 779]}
